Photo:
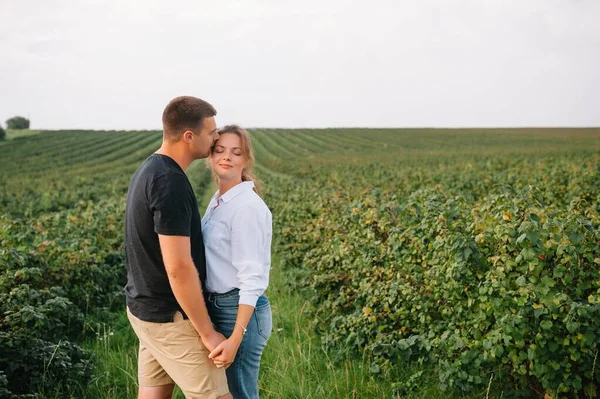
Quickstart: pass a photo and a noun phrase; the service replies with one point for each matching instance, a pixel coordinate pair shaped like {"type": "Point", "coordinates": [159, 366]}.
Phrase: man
{"type": "Point", "coordinates": [166, 267]}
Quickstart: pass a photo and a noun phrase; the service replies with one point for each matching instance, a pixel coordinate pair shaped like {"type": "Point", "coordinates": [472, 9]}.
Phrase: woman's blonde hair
{"type": "Point", "coordinates": [247, 152]}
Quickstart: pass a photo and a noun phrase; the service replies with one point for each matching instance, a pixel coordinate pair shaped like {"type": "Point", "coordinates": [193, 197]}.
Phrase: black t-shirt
{"type": "Point", "coordinates": [160, 200]}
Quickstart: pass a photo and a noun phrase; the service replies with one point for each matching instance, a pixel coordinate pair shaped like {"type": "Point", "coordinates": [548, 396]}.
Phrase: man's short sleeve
{"type": "Point", "coordinates": [171, 205]}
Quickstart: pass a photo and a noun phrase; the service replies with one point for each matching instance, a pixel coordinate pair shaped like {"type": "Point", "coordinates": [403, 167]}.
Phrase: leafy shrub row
{"type": "Point", "coordinates": [498, 286]}
{"type": "Point", "coordinates": [58, 269]}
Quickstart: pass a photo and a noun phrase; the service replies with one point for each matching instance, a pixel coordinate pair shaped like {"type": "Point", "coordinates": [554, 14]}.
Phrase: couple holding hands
{"type": "Point", "coordinates": [195, 286]}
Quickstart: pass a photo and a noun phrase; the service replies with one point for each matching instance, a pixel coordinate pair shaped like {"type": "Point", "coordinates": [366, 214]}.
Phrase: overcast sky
{"type": "Point", "coordinates": [404, 63]}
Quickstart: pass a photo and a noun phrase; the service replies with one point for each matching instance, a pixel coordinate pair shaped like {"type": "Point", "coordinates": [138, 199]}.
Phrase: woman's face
{"type": "Point", "coordinates": [228, 159]}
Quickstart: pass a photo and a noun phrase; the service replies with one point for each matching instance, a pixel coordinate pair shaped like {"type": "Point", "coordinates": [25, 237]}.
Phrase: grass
{"type": "Point", "coordinates": [115, 349]}
{"type": "Point", "coordinates": [294, 364]}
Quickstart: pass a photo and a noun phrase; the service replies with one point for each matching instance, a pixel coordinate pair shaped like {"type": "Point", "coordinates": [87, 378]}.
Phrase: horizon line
{"type": "Point", "coordinates": [340, 127]}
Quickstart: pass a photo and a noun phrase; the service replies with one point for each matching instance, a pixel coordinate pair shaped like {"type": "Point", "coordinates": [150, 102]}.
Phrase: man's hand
{"type": "Point", "coordinates": [224, 354]}
{"type": "Point", "coordinates": [212, 339]}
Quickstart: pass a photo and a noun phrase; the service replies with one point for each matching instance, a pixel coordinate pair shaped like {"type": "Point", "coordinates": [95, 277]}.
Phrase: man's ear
{"type": "Point", "coordinates": [187, 136]}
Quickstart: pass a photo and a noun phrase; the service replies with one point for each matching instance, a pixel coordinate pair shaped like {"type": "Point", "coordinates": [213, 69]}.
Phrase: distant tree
{"type": "Point", "coordinates": [17, 122]}
{"type": "Point", "coordinates": [2, 133]}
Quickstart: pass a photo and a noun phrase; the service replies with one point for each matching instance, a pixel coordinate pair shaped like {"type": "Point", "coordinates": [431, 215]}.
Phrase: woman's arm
{"type": "Point", "coordinates": [251, 232]}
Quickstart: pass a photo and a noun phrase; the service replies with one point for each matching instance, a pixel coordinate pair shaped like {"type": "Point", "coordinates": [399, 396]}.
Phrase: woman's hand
{"type": "Point", "coordinates": [224, 354]}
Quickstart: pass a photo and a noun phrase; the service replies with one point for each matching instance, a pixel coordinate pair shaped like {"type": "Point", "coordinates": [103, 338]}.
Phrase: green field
{"type": "Point", "coordinates": [408, 263]}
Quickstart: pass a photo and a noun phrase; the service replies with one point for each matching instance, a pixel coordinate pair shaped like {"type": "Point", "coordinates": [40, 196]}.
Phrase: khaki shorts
{"type": "Point", "coordinates": [174, 353]}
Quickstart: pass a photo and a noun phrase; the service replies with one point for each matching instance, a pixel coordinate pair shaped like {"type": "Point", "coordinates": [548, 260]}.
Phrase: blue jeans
{"type": "Point", "coordinates": [242, 375]}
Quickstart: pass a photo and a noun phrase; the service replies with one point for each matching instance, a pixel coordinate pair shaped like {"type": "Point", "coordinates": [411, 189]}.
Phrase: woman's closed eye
{"type": "Point", "coordinates": [220, 150]}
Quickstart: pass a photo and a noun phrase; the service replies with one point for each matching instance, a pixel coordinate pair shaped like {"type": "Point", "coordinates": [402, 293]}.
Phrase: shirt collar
{"type": "Point", "coordinates": [236, 190]}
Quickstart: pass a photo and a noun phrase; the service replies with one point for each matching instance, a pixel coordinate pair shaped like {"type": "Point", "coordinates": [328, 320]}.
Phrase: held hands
{"type": "Point", "coordinates": [224, 354]}
{"type": "Point", "coordinates": [212, 339]}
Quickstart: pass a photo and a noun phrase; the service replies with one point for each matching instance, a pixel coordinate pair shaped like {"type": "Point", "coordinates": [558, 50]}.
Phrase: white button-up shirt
{"type": "Point", "coordinates": [237, 231]}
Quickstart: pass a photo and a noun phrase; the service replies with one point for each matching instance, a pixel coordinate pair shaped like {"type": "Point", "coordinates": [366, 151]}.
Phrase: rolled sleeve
{"type": "Point", "coordinates": [251, 251]}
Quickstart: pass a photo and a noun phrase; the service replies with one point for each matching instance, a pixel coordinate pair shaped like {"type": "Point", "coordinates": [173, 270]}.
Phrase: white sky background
{"type": "Point", "coordinates": [405, 63]}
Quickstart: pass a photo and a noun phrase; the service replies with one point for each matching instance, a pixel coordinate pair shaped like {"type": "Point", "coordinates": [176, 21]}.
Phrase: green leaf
{"type": "Point", "coordinates": [499, 351]}
{"type": "Point", "coordinates": [519, 258]}
{"type": "Point", "coordinates": [533, 236]}
{"type": "Point", "coordinates": [576, 237]}
{"type": "Point", "coordinates": [572, 326]}
{"type": "Point", "coordinates": [528, 253]}
{"type": "Point", "coordinates": [548, 281]}
{"type": "Point", "coordinates": [546, 324]}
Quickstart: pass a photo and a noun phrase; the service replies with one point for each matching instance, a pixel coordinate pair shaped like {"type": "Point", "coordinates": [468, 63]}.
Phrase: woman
{"type": "Point", "coordinates": [237, 234]}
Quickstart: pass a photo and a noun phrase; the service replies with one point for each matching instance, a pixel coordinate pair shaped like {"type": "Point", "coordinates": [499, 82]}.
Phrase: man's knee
{"type": "Point", "coordinates": [158, 392]}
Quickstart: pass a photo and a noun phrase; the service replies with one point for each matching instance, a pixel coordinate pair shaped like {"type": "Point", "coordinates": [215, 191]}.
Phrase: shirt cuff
{"type": "Point", "coordinates": [248, 299]}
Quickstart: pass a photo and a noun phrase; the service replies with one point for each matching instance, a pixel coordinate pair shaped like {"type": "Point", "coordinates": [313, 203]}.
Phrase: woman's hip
{"type": "Point", "coordinates": [223, 309]}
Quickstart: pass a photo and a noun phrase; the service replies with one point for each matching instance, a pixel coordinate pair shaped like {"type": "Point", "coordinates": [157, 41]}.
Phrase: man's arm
{"type": "Point", "coordinates": [184, 281]}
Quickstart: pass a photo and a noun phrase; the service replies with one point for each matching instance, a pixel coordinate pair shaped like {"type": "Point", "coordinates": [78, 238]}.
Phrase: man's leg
{"type": "Point", "coordinates": [182, 357]}
{"type": "Point", "coordinates": [165, 392]}
{"type": "Point", "coordinates": [159, 392]}
{"type": "Point", "coordinates": [154, 382]}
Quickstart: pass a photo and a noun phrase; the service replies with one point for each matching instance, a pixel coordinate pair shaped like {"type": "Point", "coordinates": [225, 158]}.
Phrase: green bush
{"type": "Point", "coordinates": [496, 284]}
{"type": "Point", "coordinates": [34, 364]}
{"type": "Point", "coordinates": [58, 271]}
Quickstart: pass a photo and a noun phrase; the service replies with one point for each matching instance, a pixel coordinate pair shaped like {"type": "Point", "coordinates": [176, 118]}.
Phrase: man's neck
{"type": "Point", "coordinates": [177, 153]}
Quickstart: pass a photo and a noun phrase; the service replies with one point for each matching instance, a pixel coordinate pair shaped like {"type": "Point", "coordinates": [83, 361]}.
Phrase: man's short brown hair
{"type": "Point", "coordinates": [185, 113]}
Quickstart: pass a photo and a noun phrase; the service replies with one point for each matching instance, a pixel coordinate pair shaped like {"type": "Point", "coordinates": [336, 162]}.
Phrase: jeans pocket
{"type": "Point", "coordinates": [264, 320]}
{"type": "Point", "coordinates": [228, 302]}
